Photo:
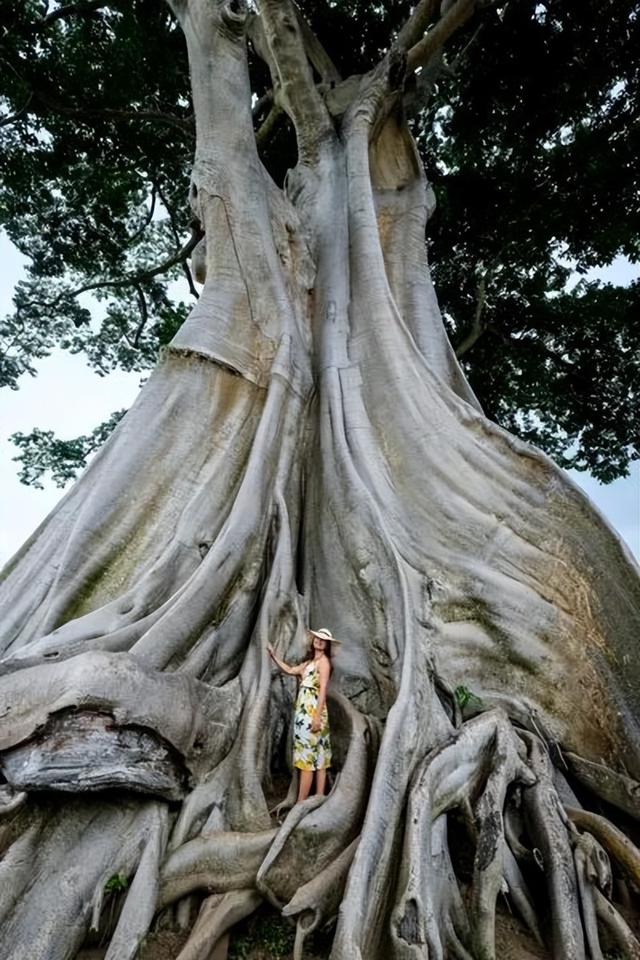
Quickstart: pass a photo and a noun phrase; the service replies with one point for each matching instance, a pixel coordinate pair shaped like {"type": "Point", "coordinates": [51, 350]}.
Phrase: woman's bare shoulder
{"type": "Point", "coordinates": [324, 664]}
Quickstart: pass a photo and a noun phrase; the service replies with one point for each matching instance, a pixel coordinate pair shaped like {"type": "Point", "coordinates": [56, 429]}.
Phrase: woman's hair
{"type": "Point", "coordinates": [327, 647]}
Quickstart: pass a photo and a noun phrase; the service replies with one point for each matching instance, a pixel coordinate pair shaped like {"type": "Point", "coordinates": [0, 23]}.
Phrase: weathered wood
{"type": "Point", "coordinates": [81, 752]}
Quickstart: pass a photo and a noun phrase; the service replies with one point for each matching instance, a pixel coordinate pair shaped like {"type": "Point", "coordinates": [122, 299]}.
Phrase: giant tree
{"type": "Point", "coordinates": [309, 450]}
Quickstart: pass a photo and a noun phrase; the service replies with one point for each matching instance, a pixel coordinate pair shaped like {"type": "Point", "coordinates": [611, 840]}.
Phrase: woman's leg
{"type": "Point", "coordinates": [304, 784]}
{"type": "Point", "coordinates": [321, 779]}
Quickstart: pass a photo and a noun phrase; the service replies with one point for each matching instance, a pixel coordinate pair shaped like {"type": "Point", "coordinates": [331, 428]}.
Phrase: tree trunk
{"type": "Point", "coordinates": [308, 451]}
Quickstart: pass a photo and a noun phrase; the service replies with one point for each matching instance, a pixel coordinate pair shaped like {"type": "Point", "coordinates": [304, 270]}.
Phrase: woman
{"type": "Point", "coordinates": [311, 740]}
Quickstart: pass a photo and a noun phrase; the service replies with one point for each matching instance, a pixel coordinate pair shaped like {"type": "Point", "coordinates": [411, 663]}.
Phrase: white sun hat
{"type": "Point", "coordinates": [324, 634]}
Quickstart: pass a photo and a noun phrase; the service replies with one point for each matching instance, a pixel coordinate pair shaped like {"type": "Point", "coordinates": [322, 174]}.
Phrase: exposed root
{"type": "Point", "coordinates": [15, 868]}
{"type": "Point", "coordinates": [485, 757]}
{"type": "Point", "coordinates": [83, 751]}
{"type": "Point", "coordinates": [617, 927]}
{"type": "Point", "coordinates": [140, 905]}
{"type": "Point", "coordinates": [517, 890]}
{"type": "Point", "coordinates": [290, 800]}
{"type": "Point", "coordinates": [10, 800]}
{"type": "Point", "coordinates": [547, 827]}
{"type": "Point", "coordinates": [616, 788]}
{"type": "Point", "coordinates": [593, 872]}
{"type": "Point", "coordinates": [218, 914]}
{"type": "Point", "coordinates": [196, 720]}
{"type": "Point", "coordinates": [624, 853]}
{"type": "Point", "coordinates": [488, 871]}
{"type": "Point", "coordinates": [218, 863]}
{"type": "Point", "coordinates": [317, 902]}
{"type": "Point", "coordinates": [86, 842]}
{"type": "Point", "coordinates": [230, 796]}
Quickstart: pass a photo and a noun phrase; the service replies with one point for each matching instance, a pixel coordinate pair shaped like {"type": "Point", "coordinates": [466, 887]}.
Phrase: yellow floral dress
{"type": "Point", "coordinates": [311, 751]}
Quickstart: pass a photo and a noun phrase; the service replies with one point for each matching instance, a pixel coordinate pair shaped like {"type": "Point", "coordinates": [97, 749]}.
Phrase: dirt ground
{"type": "Point", "coordinates": [266, 936]}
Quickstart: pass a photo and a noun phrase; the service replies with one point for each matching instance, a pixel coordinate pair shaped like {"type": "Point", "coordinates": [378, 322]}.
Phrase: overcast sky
{"type": "Point", "coordinates": [69, 398]}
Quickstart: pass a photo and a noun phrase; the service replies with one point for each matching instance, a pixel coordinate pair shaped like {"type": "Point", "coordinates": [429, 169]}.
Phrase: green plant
{"type": "Point", "coordinates": [466, 697]}
{"type": "Point", "coordinates": [116, 883]}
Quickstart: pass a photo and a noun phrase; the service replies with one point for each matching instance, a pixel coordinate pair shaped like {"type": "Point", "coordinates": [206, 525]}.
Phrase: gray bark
{"type": "Point", "coordinates": [308, 450]}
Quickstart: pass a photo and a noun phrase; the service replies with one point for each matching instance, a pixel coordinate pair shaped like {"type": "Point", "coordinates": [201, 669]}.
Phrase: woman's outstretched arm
{"type": "Point", "coordinates": [285, 667]}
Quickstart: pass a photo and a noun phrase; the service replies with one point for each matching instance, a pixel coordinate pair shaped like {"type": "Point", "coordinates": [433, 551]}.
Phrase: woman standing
{"type": "Point", "coordinates": [311, 740]}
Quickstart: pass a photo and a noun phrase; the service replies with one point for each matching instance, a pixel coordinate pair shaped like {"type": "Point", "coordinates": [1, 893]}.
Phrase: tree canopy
{"type": "Point", "coordinates": [528, 133]}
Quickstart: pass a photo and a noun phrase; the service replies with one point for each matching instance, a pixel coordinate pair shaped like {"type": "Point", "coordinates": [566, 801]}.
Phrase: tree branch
{"type": "Point", "coordinates": [264, 100]}
{"type": "Point", "coordinates": [266, 128]}
{"type": "Point", "coordinates": [84, 9]}
{"type": "Point", "coordinates": [277, 37]}
{"type": "Point", "coordinates": [268, 125]}
{"type": "Point", "coordinates": [414, 28]}
{"type": "Point", "coordinates": [453, 67]}
{"type": "Point", "coordinates": [316, 52]}
{"type": "Point", "coordinates": [477, 327]}
{"type": "Point", "coordinates": [424, 50]}
{"type": "Point", "coordinates": [148, 218]}
{"type": "Point", "coordinates": [130, 280]}
{"type": "Point", "coordinates": [536, 344]}
{"type": "Point", "coordinates": [457, 15]}
{"type": "Point", "coordinates": [176, 234]}
{"type": "Point", "coordinates": [185, 126]}
{"type": "Point", "coordinates": [144, 315]}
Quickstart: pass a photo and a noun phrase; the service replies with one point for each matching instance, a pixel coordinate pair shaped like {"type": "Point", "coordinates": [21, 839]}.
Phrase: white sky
{"type": "Point", "coordinates": [69, 398]}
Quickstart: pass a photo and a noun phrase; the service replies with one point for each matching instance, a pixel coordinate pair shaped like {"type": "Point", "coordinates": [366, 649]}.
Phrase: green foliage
{"type": "Point", "coordinates": [94, 177]}
{"type": "Point", "coordinates": [532, 163]}
{"type": "Point", "coordinates": [530, 144]}
{"type": "Point", "coordinates": [116, 883]}
{"type": "Point", "coordinates": [466, 697]}
{"type": "Point", "coordinates": [41, 451]}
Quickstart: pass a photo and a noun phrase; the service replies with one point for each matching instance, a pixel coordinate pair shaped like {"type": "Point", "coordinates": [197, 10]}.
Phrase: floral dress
{"type": "Point", "coordinates": [311, 751]}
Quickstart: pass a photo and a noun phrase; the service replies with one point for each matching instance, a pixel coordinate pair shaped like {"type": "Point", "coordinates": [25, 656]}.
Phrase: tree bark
{"type": "Point", "coordinates": [308, 451]}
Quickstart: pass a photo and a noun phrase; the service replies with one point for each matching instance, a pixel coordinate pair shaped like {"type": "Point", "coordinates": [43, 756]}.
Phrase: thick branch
{"type": "Point", "coordinates": [457, 15]}
{"type": "Point", "coordinates": [317, 54]}
{"type": "Point", "coordinates": [266, 128]}
{"type": "Point", "coordinates": [265, 100]}
{"type": "Point", "coordinates": [278, 37]}
{"type": "Point", "coordinates": [144, 315]}
{"type": "Point", "coordinates": [417, 23]}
